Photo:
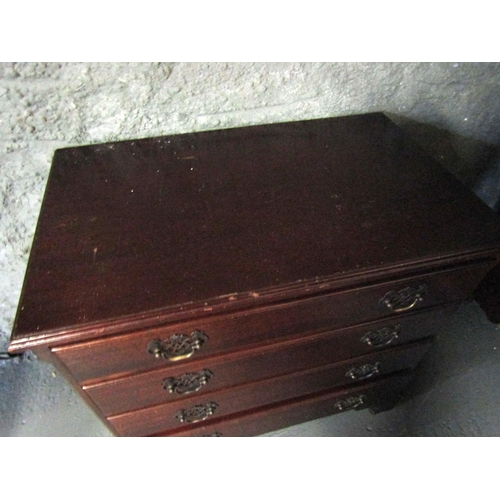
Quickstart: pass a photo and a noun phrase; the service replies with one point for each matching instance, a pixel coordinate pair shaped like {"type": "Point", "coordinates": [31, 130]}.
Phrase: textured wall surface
{"type": "Point", "coordinates": [44, 106]}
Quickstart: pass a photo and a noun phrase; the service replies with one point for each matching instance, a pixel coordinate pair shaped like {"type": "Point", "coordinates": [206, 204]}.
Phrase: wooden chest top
{"type": "Point", "coordinates": [137, 233]}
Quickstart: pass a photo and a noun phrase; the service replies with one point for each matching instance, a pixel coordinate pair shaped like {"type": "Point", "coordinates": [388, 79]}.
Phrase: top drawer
{"type": "Point", "coordinates": [154, 348]}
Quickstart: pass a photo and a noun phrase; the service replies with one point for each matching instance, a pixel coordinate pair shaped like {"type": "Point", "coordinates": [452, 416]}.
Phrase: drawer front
{"type": "Point", "coordinates": [155, 348]}
{"type": "Point", "coordinates": [383, 393]}
{"type": "Point", "coordinates": [208, 375]}
{"type": "Point", "coordinates": [244, 398]}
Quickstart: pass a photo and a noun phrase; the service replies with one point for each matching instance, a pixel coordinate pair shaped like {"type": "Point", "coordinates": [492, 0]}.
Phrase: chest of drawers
{"type": "Point", "coordinates": [238, 281]}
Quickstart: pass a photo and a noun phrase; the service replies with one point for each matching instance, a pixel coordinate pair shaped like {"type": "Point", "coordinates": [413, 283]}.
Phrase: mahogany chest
{"type": "Point", "coordinates": [234, 282]}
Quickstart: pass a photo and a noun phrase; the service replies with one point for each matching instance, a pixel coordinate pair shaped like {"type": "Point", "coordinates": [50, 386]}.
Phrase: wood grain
{"type": "Point", "coordinates": [269, 391]}
{"type": "Point", "coordinates": [149, 225]}
{"type": "Point", "coordinates": [272, 248]}
{"type": "Point", "coordinates": [384, 393]}
{"type": "Point", "coordinates": [242, 367]}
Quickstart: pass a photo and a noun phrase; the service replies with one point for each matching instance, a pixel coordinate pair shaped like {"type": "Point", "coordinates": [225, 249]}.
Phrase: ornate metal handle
{"type": "Point", "coordinates": [215, 434]}
{"type": "Point", "coordinates": [188, 382]}
{"type": "Point", "coordinates": [350, 403]}
{"type": "Point", "coordinates": [382, 337]}
{"type": "Point", "coordinates": [404, 299]}
{"type": "Point", "coordinates": [177, 347]}
{"type": "Point", "coordinates": [364, 371]}
{"type": "Point", "coordinates": [196, 413]}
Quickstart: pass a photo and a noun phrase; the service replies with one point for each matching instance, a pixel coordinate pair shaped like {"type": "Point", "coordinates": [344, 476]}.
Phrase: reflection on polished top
{"type": "Point", "coordinates": [204, 220]}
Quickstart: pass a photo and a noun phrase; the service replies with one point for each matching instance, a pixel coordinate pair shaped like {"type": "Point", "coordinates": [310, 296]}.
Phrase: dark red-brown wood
{"type": "Point", "coordinates": [145, 228]}
{"type": "Point", "coordinates": [128, 353]}
{"type": "Point", "coordinates": [272, 390]}
{"type": "Point", "coordinates": [275, 246]}
{"type": "Point", "coordinates": [379, 395]}
{"type": "Point", "coordinates": [242, 367]}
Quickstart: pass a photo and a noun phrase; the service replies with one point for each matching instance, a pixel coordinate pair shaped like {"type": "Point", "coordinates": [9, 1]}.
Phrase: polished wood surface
{"type": "Point", "coordinates": [270, 391]}
{"type": "Point", "coordinates": [382, 394]}
{"type": "Point", "coordinates": [242, 367]}
{"type": "Point", "coordinates": [146, 228]}
{"type": "Point", "coordinates": [235, 275]}
{"type": "Point", "coordinates": [128, 353]}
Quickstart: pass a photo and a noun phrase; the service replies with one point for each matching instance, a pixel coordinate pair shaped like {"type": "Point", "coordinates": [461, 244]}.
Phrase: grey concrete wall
{"type": "Point", "coordinates": [44, 106]}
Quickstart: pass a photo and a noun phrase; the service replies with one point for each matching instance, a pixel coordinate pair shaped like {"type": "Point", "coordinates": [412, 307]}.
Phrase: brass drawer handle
{"type": "Point", "coordinates": [177, 347]}
{"type": "Point", "coordinates": [404, 299]}
{"type": "Point", "coordinates": [364, 371]}
{"type": "Point", "coordinates": [382, 337]}
{"type": "Point", "coordinates": [188, 382]}
{"type": "Point", "coordinates": [197, 413]}
{"type": "Point", "coordinates": [350, 403]}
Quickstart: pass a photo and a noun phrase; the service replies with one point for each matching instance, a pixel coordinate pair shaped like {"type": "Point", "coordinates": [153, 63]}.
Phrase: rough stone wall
{"type": "Point", "coordinates": [44, 106]}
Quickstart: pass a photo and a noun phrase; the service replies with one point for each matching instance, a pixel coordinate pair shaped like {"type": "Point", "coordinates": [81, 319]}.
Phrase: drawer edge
{"type": "Point", "coordinates": [241, 302]}
{"type": "Point", "coordinates": [383, 395]}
